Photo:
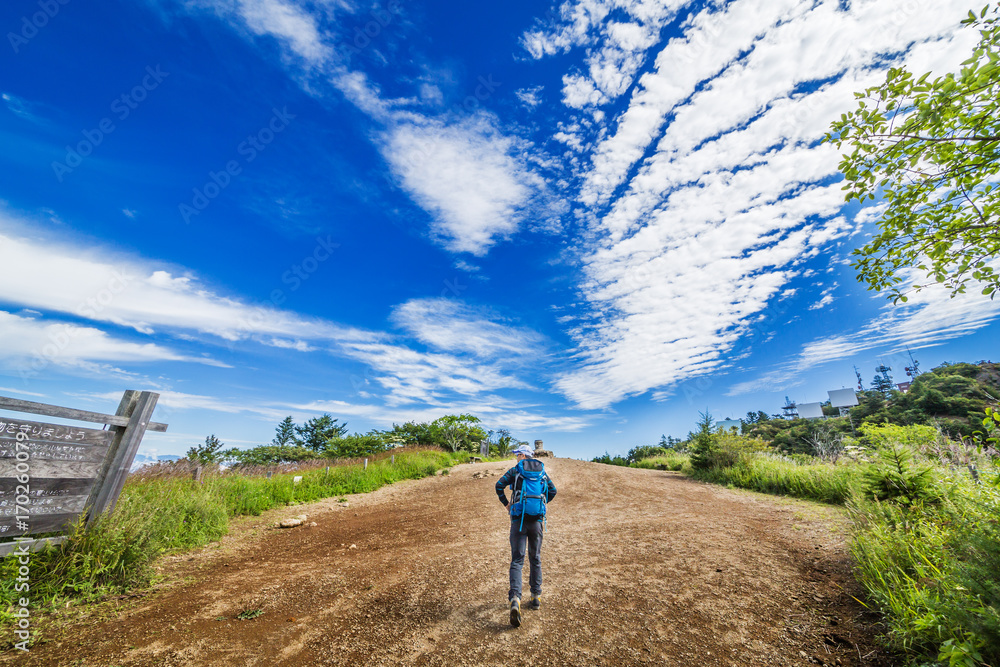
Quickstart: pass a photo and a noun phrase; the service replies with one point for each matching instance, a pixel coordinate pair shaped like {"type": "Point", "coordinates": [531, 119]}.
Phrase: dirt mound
{"type": "Point", "coordinates": [641, 567]}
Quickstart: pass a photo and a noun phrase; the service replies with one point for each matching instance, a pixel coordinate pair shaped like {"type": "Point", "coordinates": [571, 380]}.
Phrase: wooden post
{"type": "Point", "coordinates": [393, 460]}
{"type": "Point", "coordinates": [197, 473]}
{"type": "Point", "coordinates": [137, 407]}
{"type": "Point", "coordinates": [366, 464]}
{"type": "Point", "coordinates": [268, 474]}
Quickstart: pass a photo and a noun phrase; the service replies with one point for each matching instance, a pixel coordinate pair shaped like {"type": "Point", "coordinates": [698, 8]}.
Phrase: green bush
{"type": "Point", "coordinates": [355, 446]}
{"type": "Point", "coordinates": [616, 460]}
{"type": "Point", "coordinates": [641, 452]}
{"type": "Point", "coordinates": [895, 474]}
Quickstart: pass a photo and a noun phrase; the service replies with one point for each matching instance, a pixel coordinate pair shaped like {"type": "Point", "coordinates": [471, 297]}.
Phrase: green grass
{"type": "Point", "coordinates": [780, 476]}
{"type": "Point", "coordinates": [157, 515]}
{"type": "Point", "coordinates": [934, 571]}
{"type": "Point", "coordinates": [673, 461]}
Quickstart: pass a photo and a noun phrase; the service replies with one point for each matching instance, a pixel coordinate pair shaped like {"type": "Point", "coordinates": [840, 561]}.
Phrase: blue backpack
{"type": "Point", "coordinates": [530, 499]}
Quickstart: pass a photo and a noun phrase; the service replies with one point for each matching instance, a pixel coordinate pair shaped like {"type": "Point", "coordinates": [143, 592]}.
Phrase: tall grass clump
{"type": "Point", "coordinates": [161, 512]}
{"type": "Point", "coordinates": [933, 569]}
{"type": "Point", "coordinates": [780, 475]}
{"type": "Point", "coordinates": [674, 461]}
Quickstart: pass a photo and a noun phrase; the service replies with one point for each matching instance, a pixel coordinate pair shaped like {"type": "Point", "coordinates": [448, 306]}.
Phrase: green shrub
{"type": "Point", "coordinates": [616, 460]}
{"type": "Point", "coordinates": [896, 475]}
{"type": "Point", "coordinates": [355, 446]}
{"type": "Point", "coordinates": [641, 452]}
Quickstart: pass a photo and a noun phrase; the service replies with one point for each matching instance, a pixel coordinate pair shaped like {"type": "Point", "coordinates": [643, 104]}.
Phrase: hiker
{"type": "Point", "coordinates": [531, 490]}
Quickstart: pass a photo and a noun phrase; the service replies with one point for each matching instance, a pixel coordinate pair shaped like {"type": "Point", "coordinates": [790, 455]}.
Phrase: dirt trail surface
{"type": "Point", "coordinates": [640, 567]}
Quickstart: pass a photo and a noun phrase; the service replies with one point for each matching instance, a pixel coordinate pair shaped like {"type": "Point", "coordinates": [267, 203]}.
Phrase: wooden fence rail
{"type": "Point", "coordinates": [70, 470]}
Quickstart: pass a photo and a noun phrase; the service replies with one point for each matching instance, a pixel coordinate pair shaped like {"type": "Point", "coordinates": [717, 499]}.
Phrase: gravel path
{"type": "Point", "coordinates": [641, 567]}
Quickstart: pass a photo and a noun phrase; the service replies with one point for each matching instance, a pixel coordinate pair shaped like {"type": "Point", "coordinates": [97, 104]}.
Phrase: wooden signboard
{"type": "Point", "coordinates": [52, 474]}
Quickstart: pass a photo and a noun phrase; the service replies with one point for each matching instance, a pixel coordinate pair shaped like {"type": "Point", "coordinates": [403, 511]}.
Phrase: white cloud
{"type": "Point", "coordinates": [21, 392]}
{"type": "Point", "coordinates": [170, 401]}
{"type": "Point", "coordinates": [825, 301]}
{"type": "Point", "coordinates": [465, 173]}
{"type": "Point", "coordinates": [929, 318]}
{"type": "Point", "coordinates": [530, 97]}
{"type": "Point", "coordinates": [734, 193]}
{"type": "Point", "coordinates": [466, 176]}
{"type": "Point", "coordinates": [452, 326]}
{"type": "Point", "coordinates": [94, 284]}
{"type": "Point", "coordinates": [284, 21]}
{"type": "Point", "coordinates": [30, 346]}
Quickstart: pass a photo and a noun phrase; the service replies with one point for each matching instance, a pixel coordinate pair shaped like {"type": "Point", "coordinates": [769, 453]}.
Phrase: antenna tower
{"type": "Point", "coordinates": [883, 381]}
{"type": "Point", "coordinates": [913, 370]}
{"type": "Point", "coordinates": [789, 409]}
{"type": "Point", "coordinates": [861, 386]}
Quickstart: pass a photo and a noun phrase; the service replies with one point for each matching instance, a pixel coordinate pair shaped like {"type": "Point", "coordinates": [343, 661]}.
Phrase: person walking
{"type": "Point", "coordinates": [531, 491]}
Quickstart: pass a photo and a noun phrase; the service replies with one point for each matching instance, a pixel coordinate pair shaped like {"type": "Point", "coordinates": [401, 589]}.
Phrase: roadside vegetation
{"type": "Point", "coordinates": [921, 488]}
{"type": "Point", "coordinates": [164, 509]}
{"type": "Point", "coordinates": [175, 505]}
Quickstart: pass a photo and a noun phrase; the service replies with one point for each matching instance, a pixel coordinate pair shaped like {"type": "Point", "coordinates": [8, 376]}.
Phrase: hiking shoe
{"type": "Point", "coordinates": [515, 612]}
{"type": "Point", "coordinates": [536, 601]}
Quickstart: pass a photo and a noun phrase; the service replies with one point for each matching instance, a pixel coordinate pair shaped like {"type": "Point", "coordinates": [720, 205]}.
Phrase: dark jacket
{"type": "Point", "coordinates": [508, 479]}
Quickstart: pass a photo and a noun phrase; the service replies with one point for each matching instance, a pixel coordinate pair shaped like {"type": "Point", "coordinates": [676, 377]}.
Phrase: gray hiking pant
{"type": "Point", "coordinates": [531, 537]}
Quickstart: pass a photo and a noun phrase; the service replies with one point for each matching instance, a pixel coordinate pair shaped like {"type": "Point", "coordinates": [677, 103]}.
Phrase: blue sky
{"type": "Point", "coordinates": [583, 221]}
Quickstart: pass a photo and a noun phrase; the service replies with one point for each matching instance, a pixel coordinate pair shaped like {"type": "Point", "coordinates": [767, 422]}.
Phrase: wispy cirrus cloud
{"type": "Point", "coordinates": [446, 324]}
{"type": "Point", "coordinates": [31, 345]}
{"type": "Point", "coordinates": [712, 190]}
{"type": "Point", "coordinates": [448, 350]}
{"type": "Point", "coordinates": [930, 318]}
{"type": "Point", "coordinates": [98, 285]}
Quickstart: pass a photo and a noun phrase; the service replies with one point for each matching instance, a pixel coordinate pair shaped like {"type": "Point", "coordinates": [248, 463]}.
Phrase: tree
{"type": "Point", "coordinates": [419, 433]}
{"type": "Point", "coordinates": [616, 460]}
{"type": "Point", "coordinates": [931, 151]}
{"type": "Point", "coordinates": [207, 453]}
{"type": "Point", "coordinates": [702, 441]}
{"type": "Point", "coordinates": [315, 432]}
{"type": "Point", "coordinates": [356, 445]}
{"type": "Point", "coordinates": [501, 441]}
{"type": "Point", "coordinates": [284, 434]}
{"type": "Point", "coordinates": [460, 431]}
{"type": "Point", "coordinates": [669, 442]}
{"type": "Point", "coordinates": [641, 452]}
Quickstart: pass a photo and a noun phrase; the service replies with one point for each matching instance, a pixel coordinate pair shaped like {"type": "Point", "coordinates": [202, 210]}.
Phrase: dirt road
{"type": "Point", "coordinates": [640, 567]}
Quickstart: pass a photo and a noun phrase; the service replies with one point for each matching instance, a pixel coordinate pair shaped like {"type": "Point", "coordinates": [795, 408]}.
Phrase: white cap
{"type": "Point", "coordinates": [524, 450]}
